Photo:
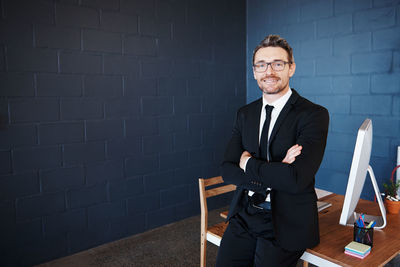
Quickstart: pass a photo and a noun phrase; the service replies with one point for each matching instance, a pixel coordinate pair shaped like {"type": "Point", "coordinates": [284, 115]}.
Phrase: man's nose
{"type": "Point", "coordinates": [269, 69]}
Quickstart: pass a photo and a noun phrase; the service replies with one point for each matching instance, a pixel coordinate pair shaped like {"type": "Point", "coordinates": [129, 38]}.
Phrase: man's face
{"type": "Point", "coordinates": [273, 82]}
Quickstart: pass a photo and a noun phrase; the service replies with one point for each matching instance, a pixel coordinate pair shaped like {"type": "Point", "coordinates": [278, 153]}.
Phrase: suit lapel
{"type": "Point", "coordinates": [255, 124]}
{"type": "Point", "coordinates": [285, 111]}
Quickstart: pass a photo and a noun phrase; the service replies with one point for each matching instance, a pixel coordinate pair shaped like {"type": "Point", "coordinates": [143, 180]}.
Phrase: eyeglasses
{"type": "Point", "coordinates": [278, 65]}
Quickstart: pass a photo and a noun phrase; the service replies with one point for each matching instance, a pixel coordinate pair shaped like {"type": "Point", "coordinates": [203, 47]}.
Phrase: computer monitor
{"type": "Point", "coordinates": [358, 172]}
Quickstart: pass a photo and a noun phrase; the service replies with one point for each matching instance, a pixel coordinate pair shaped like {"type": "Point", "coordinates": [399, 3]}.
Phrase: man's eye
{"type": "Point", "coordinates": [278, 64]}
{"type": "Point", "coordinates": [260, 66]}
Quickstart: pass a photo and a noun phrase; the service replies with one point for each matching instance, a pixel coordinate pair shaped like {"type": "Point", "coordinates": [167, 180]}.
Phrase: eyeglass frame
{"type": "Point", "coordinates": [270, 64]}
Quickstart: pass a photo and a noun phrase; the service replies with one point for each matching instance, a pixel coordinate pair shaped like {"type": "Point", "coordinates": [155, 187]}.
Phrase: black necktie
{"type": "Point", "coordinates": [264, 142]}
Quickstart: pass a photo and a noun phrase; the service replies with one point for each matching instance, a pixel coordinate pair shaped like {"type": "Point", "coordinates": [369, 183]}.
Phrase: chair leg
{"type": "Point", "coordinates": [203, 247]}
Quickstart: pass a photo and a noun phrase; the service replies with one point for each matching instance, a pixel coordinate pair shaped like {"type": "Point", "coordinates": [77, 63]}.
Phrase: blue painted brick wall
{"type": "Point", "coordinates": [347, 56]}
{"type": "Point", "coordinates": [109, 112]}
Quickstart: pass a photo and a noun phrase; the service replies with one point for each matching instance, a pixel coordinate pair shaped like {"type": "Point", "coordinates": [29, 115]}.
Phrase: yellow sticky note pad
{"type": "Point", "coordinates": [358, 247]}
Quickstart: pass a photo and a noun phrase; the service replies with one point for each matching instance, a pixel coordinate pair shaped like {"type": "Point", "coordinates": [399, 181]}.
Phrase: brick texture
{"type": "Point", "coordinates": [37, 157]}
{"type": "Point", "coordinates": [348, 44]}
{"type": "Point", "coordinates": [109, 112]}
{"type": "Point", "coordinates": [80, 63]}
{"type": "Point", "coordinates": [109, 86]}
{"type": "Point", "coordinates": [374, 18]}
{"type": "Point", "coordinates": [116, 22]}
{"type": "Point", "coordinates": [94, 40]}
{"type": "Point", "coordinates": [140, 45]}
{"type": "Point", "coordinates": [31, 110]}
{"type": "Point", "coordinates": [63, 223]}
{"type": "Point", "coordinates": [87, 196]}
{"type": "Point", "coordinates": [82, 16]}
{"type": "Point", "coordinates": [59, 85]}
{"type": "Point", "coordinates": [57, 37]}
{"type": "Point", "coordinates": [126, 188]}
{"type": "Point", "coordinates": [36, 206]}
{"type": "Point", "coordinates": [33, 59]}
{"type": "Point", "coordinates": [62, 178]}
{"type": "Point", "coordinates": [17, 84]}
{"type": "Point", "coordinates": [14, 190]}
{"type": "Point", "coordinates": [104, 4]}
{"type": "Point", "coordinates": [81, 108]}
{"type": "Point", "coordinates": [343, 25]}
{"type": "Point", "coordinates": [43, 12]}
{"type": "Point", "coordinates": [83, 152]}
{"type": "Point", "coordinates": [61, 133]}
{"type": "Point", "coordinates": [18, 135]}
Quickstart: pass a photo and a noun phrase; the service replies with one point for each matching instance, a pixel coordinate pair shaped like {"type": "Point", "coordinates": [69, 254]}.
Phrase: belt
{"type": "Point", "coordinates": [266, 205]}
{"type": "Point", "coordinates": [257, 200]}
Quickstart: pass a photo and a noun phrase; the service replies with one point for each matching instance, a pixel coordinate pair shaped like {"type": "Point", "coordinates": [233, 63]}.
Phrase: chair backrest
{"type": "Point", "coordinates": [214, 233]}
{"type": "Point", "coordinates": [206, 193]}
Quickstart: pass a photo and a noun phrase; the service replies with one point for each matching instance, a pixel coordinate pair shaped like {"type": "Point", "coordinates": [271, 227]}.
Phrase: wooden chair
{"type": "Point", "coordinates": [213, 233]}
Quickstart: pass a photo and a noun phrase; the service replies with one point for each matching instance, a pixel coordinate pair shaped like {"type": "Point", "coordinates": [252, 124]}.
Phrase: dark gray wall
{"type": "Point", "coordinates": [110, 111]}
{"type": "Point", "coordinates": [348, 59]}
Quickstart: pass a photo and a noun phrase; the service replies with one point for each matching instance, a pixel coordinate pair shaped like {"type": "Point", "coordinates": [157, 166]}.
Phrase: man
{"type": "Point", "coordinates": [276, 148]}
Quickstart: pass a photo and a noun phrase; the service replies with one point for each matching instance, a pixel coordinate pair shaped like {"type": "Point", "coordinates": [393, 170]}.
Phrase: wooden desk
{"type": "Point", "coordinates": [334, 237]}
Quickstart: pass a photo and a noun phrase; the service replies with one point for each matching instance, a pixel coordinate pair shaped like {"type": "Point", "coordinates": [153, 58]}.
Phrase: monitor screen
{"type": "Point", "coordinates": [358, 173]}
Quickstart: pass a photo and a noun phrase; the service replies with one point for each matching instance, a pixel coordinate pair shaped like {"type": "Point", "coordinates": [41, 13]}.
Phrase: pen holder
{"type": "Point", "coordinates": [363, 235]}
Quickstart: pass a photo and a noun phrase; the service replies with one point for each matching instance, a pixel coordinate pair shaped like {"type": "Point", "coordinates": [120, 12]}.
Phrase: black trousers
{"type": "Point", "coordinates": [249, 241]}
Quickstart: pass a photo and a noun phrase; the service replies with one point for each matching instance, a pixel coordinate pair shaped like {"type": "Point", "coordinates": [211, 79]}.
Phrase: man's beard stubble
{"type": "Point", "coordinates": [277, 90]}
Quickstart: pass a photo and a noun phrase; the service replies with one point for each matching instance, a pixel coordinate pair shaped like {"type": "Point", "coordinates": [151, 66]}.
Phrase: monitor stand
{"type": "Point", "coordinates": [380, 220]}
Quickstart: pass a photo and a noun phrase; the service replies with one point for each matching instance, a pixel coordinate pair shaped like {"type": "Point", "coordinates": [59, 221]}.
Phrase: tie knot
{"type": "Point", "coordinates": [268, 109]}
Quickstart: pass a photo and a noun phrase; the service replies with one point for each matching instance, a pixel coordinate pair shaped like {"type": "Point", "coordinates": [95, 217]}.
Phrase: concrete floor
{"type": "Point", "coordinates": [176, 244]}
{"type": "Point", "coordinates": [173, 245]}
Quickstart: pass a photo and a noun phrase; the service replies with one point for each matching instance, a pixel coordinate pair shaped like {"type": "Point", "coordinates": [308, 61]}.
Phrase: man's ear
{"type": "Point", "coordinates": [292, 69]}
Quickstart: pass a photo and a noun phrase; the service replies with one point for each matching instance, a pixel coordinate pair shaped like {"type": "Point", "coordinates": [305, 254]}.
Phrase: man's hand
{"type": "Point", "coordinates": [291, 154]}
{"type": "Point", "coordinates": [290, 157]}
{"type": "Point", "coordinates": [243, 159]}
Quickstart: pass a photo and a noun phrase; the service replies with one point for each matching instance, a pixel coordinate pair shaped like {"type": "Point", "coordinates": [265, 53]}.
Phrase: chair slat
{"type": "Point", "coordinates": [213, 181]}
{"type": "Point", "coordinates": [220, 190]}
{"type": "Point", "coordinates": [218, 230]}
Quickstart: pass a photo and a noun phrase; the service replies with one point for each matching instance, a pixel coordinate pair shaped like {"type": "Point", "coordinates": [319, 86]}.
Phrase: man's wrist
{"type": "Point", "coordinates": [245, 160]}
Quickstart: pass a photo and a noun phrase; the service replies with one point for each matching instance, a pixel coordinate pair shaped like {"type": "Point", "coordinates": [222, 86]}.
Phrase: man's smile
{"type": "Point", "coordinates": [270, 80]}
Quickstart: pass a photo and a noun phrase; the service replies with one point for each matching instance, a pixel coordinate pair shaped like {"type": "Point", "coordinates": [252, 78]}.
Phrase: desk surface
{"type": "Point", "coordinates": [334, 237]}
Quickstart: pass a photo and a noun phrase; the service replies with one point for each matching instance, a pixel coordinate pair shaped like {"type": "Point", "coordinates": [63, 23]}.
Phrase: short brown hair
{"type": "Point", "coordinates": [275, 41]}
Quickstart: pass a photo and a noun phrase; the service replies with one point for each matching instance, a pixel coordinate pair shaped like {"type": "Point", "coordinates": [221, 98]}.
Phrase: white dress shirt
{"type": "Point", "coordinates": [278, 106]}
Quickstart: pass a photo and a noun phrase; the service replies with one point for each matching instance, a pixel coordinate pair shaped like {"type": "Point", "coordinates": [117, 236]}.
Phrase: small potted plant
{"type": "Point", "coordinates": [392, 200]}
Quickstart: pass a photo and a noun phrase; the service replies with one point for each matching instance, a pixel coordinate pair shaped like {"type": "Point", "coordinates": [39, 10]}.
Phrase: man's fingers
{"type": "Point", "coordinates": [296, 153]}
{"type": "Point", "coordinates": [294, 148]}
{"type": "Point", "coordinates": [292, 153]}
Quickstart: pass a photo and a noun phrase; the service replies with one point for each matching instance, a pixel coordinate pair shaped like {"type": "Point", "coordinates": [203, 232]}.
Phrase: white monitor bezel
{"type": "Point", "coordinates": [358, 172]}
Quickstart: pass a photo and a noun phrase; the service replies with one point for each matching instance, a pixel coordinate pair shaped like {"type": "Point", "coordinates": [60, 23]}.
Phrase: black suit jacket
{"type": "Point", "coordinates": [293, 198]}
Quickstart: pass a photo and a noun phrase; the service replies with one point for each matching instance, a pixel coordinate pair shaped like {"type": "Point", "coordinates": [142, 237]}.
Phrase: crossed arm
{"type": "Point", "coordinates": [295, 173]}
{"type": "Point", "coordinates": [290, 157]}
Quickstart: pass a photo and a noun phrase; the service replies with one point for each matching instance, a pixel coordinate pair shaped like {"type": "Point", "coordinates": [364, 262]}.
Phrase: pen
{"type": "Point", "coordinates": [360, 221]}
{"type": "Point", "coordinates": [371, 224]}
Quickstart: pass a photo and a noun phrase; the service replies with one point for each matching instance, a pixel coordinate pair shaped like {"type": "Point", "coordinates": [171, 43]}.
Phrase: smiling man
{"type": "Point", "coordinates": [276, 148]}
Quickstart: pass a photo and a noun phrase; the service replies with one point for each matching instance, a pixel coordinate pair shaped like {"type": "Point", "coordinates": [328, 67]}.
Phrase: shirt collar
{"type": "Point", "coordinates": [280, 102]}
